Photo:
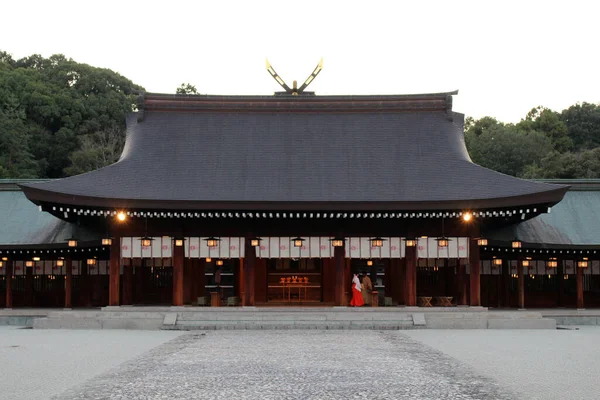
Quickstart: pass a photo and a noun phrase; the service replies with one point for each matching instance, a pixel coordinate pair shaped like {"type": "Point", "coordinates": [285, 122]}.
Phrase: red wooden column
{"type": "Point", "coordinates": [195, 262]}
{"type": "Point", "coordinates": [201, 276]}
{"type": "Point", "coordinates": [68, 282]}
{"type": "Point", "coordinates": [8, 275]}
{"type": "Point", "coordinates": [29, 286]}
{"type": "Point", "coordinates": [187, 280]}
{"type": "Point", "coordinates": [339, 261]}
{"type": "Point", "coordinates": [461, 284]}
{"type": "Point", "coordinates": [249, 273]}
{"type": "Point", "coordinates": [521, 288]}
{"type": "Point", "coordinates": [114, 272]}
{"type": "Point", "coordinates": [127, 285]}
{"type": "Point", "coordinates": [580, 305]}
{"type": "Point", "coordinates": [474, 274]}
{"type": "Point", "coordinates": [178, 255]}
{"type": "Point", "coordinates": [410, 290]}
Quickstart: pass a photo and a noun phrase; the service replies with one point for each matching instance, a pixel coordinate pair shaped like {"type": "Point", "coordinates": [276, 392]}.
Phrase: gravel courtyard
{"type": "Point", "coordinates": [423, 364]}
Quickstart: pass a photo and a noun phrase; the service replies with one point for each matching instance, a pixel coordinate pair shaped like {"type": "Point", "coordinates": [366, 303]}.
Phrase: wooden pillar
{"type": "Point", "coordinates": [521, 289]}
{"type": "Point", "coordinates": [339, 260]}
{"type": "Point", "coordinates": [9, 278]}
{"type": "Point", "coordinates": [178, 255]}
{"type": "Point", "coordinates": [399, 282]}
{"type": "Point", "coordinates": [506, 282]}
{"type": "Point", "coordinates": [114, 273]}
{"type": "Point", "coordinates": [474, 274]}
{"type": "Point", "coordinates": [68, 282]}
{"type": "Point", "coordinates": [201, 273]}
{"type": "Point", "coordinates": [29, 286]}
{"type": "Point", "coordinates": [461, 284]}
{"type": "Point", "coordinates": [187, 280]}
{"type": "Point", "coordinates": [195, 280]}
{"type": "Point", "coordinates": [127, 285]}
{"type": "Point", "coordinates": [560, 272]}
{"type": "Point", "coordinates": [85, 295]}
{"type": "Point", "coordinates": [410, 289]}
{"type": "Point", "coordinates": [249, 273]}
{"type": "Point", "coordinates": [580, 304]}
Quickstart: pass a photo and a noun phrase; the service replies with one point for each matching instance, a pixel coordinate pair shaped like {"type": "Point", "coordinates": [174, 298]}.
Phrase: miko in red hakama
{"type": "Point", "coordinates": [357, 299]}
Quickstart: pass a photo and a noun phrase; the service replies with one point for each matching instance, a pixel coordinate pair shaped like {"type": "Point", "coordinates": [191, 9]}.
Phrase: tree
{"type": "Point", "coordinates": [58, 102]}
{"type": "Point", "coordinates": [504, 148]}
{"type": "Point", "coordinates": [96, 150]}
{"type": "Point", "coordinates": [548, 122]}
{"type": "Point", "coordinates": [186, 88]}
{"type": "Point", "coordinates": [555, 165]}
{"type": "Point", "coordinates": [583, 124]}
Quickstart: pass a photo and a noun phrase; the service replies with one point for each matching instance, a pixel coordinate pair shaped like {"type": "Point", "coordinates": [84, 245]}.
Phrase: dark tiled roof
{"type": "Point", "coordinates": [197, 152]}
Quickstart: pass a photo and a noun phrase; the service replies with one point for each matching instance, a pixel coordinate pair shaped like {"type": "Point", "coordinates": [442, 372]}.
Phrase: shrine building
{"type": "Point", "coordinates": [279, 200]}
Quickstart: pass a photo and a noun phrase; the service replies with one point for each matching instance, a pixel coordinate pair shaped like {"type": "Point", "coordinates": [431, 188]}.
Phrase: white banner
{"type": "Point", "coordinates": [458, 247]}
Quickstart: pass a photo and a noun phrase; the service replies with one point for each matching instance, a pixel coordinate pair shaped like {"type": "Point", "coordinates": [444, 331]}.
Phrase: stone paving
{"type": "Point", "coordinates": [291, 365]}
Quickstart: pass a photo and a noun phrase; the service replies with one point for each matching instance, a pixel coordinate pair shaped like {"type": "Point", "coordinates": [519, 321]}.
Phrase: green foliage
{"type": "Point", "coordinates": [504, 148]}
{"type": "Point", "coordinates": [47, 105]}
{"type": "Point", "coordinates": [545, 144]}
{"type": "Point", "coordinates": [186, 88]}
{"type": "Point", "coordinates": [583, 123]}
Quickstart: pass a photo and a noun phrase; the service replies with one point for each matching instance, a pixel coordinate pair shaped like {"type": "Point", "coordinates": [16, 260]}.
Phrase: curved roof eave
{"type": "Point", "coordinates": [40, 196]}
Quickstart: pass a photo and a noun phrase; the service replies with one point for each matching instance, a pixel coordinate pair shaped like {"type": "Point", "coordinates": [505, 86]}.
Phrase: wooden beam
{"type": "Point", "coordinates": [114, 272]}
{"type": "Point", "coordinates": [474, 274]}
{"type": "Point", "coordinates": [68, 282]}
{"type": "Point", "coordinates": [178, 255]}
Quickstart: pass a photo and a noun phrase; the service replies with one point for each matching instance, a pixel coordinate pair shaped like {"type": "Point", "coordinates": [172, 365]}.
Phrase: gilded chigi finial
{"type": "Point", "coordinates": [295, 90]}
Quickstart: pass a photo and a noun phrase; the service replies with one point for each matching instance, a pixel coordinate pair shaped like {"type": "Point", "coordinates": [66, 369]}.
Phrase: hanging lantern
{"type": "Point", "coordinates": [36, 259]}
{"type": "Point", "coordinates": [219, 263]}
{"type": "Point", "coordinates": [179, 242]}
{"type": "Point", "coordinates": [369, 263]}
{"type": "Point", "coordinates": [60, 263]}
{"type": "Point", "coordinates": [525, 263]}
{"type": "Point", "coordinates": [482, 242]}
{"type": "Point", "coordinates": [337, 242]}
{"type": "Point", "coordinates": [4, 258]}
{"type": "Point", "coordinates": [106, 241]}
{"type": "Point", "coordinates": [208, 259]}
{"type": "Point", "coordinates": [29, 263]}
{"type": "Point", "coordinates": [411, 242]}
{"type": "Point", "coordinates": [121, 216]}
{"type": "Point", "coordinates": [377, 241]}
{"type": "Point", "coordinates": [582, 264]}
{"type": "Point", "coordinates": [298, 241]}
{"type": "Point", "coordinates": [467, 216]}
{"type": "Point", "coordinates": [1, 264]}
{"type": "Point", "coordinates": [443, 241]}
{"type": "Point", "coordinates": [91, 261]}
{"type": "Point", "coordinates": [552, 264]}
{"type": "Point", "coordinates": [212, 241]}
{"type": "Point", "coordinates": [255, 241]}
{"type": "Point", "coordinates": [146, 241]}
{"type": "Point", "coordinates": [72, 242]}
{"type": "Point", "coordinates": [497, 261]}
{"type": "Point", "coordinates": [516, 244]}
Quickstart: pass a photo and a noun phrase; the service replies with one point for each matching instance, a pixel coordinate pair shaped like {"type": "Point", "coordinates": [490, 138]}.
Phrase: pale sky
{"type": "Point", "coordinates": [504, 57]}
